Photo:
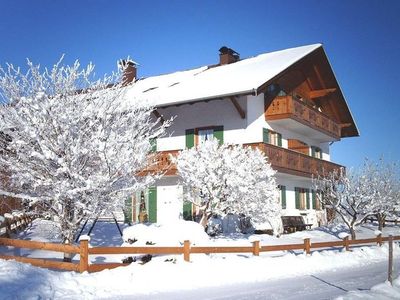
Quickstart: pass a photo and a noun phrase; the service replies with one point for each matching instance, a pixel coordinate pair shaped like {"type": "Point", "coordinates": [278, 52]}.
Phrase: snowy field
{"type": "Point", "coordinates": [278, 275]}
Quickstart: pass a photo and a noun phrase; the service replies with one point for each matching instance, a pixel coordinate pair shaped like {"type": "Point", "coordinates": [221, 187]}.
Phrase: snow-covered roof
{"type": "Point", "coordinates": [242, 77]}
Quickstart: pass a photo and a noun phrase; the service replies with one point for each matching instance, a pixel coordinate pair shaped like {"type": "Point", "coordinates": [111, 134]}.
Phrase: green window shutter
{"type": "Point", "coordinates": [283, 196]}
{"type": "Point", "coordinates": [307, 198]}
{"type": "Point", "coordinates": [187, 211]}
{"type": "Point", "coordinates": [297, 197]}
{"type": "Point", "coordinates": [128, 210]}
{"type": "Point", "coordinates": [266, 135]}
{"type": "Point", "coordinates": [153, 144]}
{"type": "Point", "coordinates": [279, 139]}
{"type": "Point", "coordinates": [314, 199]}
{"type": "Point", "coordinates": [189, 138]}
{"type": "Point", "coordinates": [219, 134]}
{"type": "Point", "coordinates": [153, 204]}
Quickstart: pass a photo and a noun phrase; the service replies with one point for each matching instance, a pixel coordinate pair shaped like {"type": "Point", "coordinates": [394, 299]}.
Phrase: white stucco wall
{"type": "Point", "coordinates": [236, 129]}
{"type": "Point", "coordinates": [311, 216]}
{"type": "Point", "coordinates": [215, 113]}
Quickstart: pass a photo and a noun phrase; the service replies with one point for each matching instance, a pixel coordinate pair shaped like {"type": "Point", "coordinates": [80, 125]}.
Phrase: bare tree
{"type": "Point", "coordinates": [223, 179]}
{"type": "Point", "coordinates": [347, 194]}
{"type": "Point", "coordinates": [72, 143]}
{"type": "Point", "coordinates": [382, 181]}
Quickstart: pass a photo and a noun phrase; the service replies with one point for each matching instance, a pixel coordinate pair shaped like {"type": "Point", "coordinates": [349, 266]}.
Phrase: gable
{"type": "Point", "coordinates": [312, 78]}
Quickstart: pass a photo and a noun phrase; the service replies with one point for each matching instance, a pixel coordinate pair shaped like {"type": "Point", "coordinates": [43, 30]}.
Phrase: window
{"type": "Point", "coordinates": [144, 206]}
{"type": "Point", "coordinates": [302, 198]}
{"type": "Point", "coordinates": [204, 135]}
{"type": "Point", "coordinates": [153, 144]}
{"type": "Point", "coordinates": [282, 195]}
{"type": "Point", "coordinates": [197, 136]}
{"type": "Point", "coordinates": [316, 152]}
{"type": "Point", "coordinates": [272, 137]}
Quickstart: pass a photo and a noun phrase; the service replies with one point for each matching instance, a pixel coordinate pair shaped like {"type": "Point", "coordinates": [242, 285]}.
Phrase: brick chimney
{"type": "Point", "coordinates": [129, 71]}
{"type": "Point", "coordinates": [227, 56]}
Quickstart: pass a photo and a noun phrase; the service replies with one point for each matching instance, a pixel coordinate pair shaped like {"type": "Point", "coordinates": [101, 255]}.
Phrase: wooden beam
{"type": "Point", "coordinates": [308, 81]}
{"type": "Point", "coordinates": [238, 107]}
{"type": "Point", "coordinates": [321, 93]}
{"type": "Point", "coordinates": [344, 125]}
{"type": "Point", "coordinates": [318, 74]}
{"type": "Point", "coordinates": [158, 116]}
{"type": "Point", "coordinates": [322, 82]}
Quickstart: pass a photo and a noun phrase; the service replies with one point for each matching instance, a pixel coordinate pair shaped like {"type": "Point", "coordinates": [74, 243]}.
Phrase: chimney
{"type": "Point", "coordinates": [227, 56]}
{"type": "Point", "coordinates": [128, 71]}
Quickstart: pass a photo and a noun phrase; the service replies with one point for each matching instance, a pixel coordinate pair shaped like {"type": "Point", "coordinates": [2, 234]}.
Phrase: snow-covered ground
{"type": "Point", "coordinates": [282, 275]}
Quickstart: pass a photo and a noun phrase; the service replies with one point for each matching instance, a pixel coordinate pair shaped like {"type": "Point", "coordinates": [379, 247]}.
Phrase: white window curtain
{"type": "Point", "coordinates": [205, 135]}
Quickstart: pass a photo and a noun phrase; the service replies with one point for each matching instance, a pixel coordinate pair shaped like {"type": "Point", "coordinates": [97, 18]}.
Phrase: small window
{"type": "Point", "coordinates": [302, 198]}
{"type": "Point", "coordinates": [153, 144]}
{"type": "Point", "coordinates": [204, 135]}
{"type": "Point", "coordinates": [140, 204]}
{"type": "Point", "coordinates": [200, 135]}
{"type": "Point", "coordinates": [316, 152]}
{"type": "Point", "coordinates": [272, 137]}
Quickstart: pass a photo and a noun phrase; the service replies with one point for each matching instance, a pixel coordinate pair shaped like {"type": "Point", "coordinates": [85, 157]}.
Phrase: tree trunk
{"type": "Point", "coordinates": [67, 256]}
{"type": "Point", "coordinates": [381, 221]}
{"type": "Point", "coordinates": [353, 233]}
{"type": "Point", "coordinates": [204, 219]}
{"type": "Point", "coordinates": [205, 216]}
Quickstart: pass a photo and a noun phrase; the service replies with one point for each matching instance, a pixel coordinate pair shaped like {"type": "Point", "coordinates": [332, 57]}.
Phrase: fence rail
{"type": "Point", "coordinates": [186, 249]}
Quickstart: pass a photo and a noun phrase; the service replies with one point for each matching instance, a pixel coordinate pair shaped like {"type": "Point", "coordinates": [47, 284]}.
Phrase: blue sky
{"type": "Point", "coordinates": [361, 38]}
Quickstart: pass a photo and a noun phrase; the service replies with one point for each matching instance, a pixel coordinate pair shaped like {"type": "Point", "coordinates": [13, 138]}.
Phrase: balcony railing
{"type": "Point", "coordinates": [295, 163]}
{"type": "Point", "coordinates": [283, 107]}
{"type": "Point", "coordinates": [281, 159]}
{"type": "Point", "coordinates": [160, 162]}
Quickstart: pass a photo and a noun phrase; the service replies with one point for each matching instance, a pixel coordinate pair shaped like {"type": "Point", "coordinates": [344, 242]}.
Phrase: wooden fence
{"type": "Point", "coordinates": [15, 224]}
{"type": "Point", "coordinates": [186, 249]}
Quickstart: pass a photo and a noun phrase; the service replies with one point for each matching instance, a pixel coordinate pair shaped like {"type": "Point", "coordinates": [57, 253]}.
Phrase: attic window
{"type": "Point", "coordinates": [150, 89]}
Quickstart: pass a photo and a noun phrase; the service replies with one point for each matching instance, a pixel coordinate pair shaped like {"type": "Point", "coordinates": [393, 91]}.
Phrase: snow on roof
{"type": "Point", "coordinates": [242, 77]}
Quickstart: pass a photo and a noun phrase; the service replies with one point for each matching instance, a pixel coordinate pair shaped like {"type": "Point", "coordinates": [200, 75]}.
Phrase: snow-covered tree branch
{"type": "Point", "coordinates": [230, 179]}
{"type": "Point", "coordinates": [71, 143]}
{"type": "Point", "coordinates": [383, 182]}
{"type": "Point", "coordinates": [370, 190]}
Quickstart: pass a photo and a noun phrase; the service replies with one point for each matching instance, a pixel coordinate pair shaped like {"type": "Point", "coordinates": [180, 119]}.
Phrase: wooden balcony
{"type": "Point", "coordinates": [283, 160]}
{"type": "Point", "coordinates": [160, 162]}
{"type": "Point", "coordinates": [288, 107]}
{"type": "Point", "coordinates": [295, 163]}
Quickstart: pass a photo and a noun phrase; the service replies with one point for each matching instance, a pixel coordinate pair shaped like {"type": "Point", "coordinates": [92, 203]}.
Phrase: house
{"type": "Point", "coordinates": [287, 103]}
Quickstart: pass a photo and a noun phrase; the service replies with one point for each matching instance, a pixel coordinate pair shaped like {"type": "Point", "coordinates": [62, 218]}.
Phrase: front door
{"type": "Point", "coordinates": [169, 203]}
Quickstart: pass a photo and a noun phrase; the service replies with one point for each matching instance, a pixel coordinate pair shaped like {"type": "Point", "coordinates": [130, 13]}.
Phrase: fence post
{"type": "Point", "coordinates": [256, 248]}
{"type": "Point", "coordinates": [84, 253]}
{"type": "Point", "coordinates": [379, 239]}
{"type": "Point", "coordinates": [186, 250]}
{"type": "Point", "coordinates": [307, 246]}
{"type": "Point", "coordinates": [390, 269]}
{"type": "Point", "coordinates": [346, 243]}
